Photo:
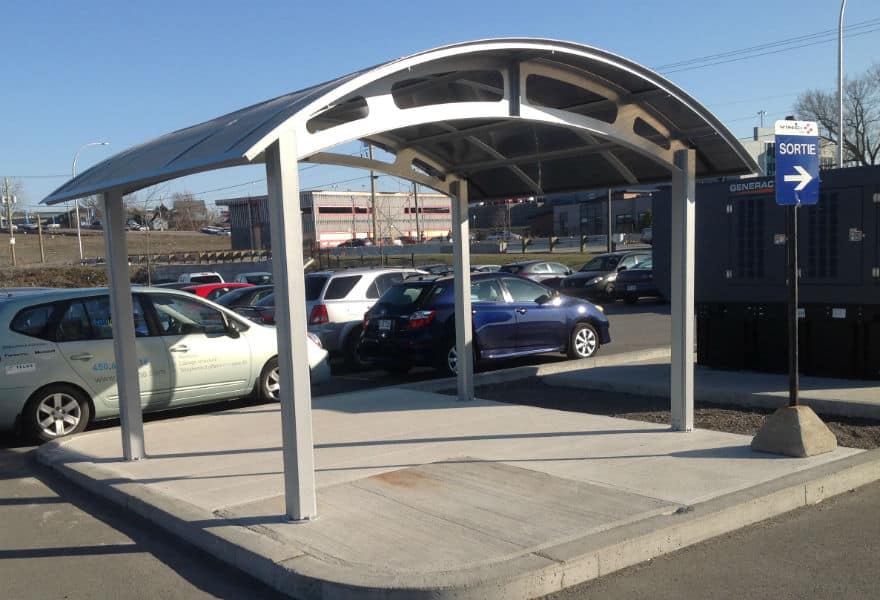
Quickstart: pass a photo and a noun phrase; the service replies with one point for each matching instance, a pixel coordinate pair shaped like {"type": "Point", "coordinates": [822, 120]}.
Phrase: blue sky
{"type": "Point", "coordinates": [76, 72]}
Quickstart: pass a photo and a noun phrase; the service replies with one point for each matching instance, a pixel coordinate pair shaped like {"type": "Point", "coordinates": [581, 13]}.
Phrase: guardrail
{"type": "Point", "coordinates": [219, 256]}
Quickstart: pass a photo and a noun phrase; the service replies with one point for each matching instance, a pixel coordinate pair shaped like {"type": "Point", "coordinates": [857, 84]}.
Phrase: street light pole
{"type": "Point", "coordinates": [73, 175]}
{"type": "Point", "coordinates": [840, 86]}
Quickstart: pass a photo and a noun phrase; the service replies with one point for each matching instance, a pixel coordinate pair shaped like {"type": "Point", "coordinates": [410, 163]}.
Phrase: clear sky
{"type": "Point", "coordinates": [126, 72]}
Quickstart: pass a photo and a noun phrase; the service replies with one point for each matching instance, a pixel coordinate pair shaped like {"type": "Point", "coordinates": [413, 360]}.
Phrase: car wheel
{"type": "Point", "coordinates": [400, 369]}
{"type": "Point", "coordinates": [55, 411]}
{"type": "Point", "coordinates": [270, 381]}
{"type": "Point", "coordinates": [584, 341]}
{"type": "Point", "coordinates": [353, 360]}
{"type": "Point", "coordinates": [447, 361]}
{"type": "Point", "coordinates": [609, 291]}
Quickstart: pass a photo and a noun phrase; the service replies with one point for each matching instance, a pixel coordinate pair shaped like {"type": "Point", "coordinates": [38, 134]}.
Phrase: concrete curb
{"type": "Point", "coordinates": [706, 391]}
{"type": "Point", "coordinates": [503, 375]}
{"type": "Point", "coordinates": [535, 572]}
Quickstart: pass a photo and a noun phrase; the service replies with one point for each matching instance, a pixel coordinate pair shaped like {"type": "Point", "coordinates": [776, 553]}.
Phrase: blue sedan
{"type": "Point", "coordinates": [413, 323]}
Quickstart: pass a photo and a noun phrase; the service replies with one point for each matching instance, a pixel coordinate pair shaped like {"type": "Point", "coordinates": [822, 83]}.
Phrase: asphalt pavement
{"type": "Point", "coordinates": [829, 550]}
{"type": "Point", "coordinates": [57, 541]}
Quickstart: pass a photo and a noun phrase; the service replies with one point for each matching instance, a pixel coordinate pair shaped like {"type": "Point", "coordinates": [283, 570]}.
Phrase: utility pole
{"type": "Point", "coordinates": [608, 226]}
{"type": "Point", "coordinates": [416, 197]}
{"type": "Point", "coordinates": [9, 200]}
{"type": "Point", "coordinates": [761, 114]}
{"type": "Point", "coordinates": [373, 197]}
{"type": "Point", "coordinates": [40, 233]}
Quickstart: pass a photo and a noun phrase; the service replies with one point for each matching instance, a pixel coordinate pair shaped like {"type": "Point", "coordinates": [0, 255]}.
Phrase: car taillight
{"type": "Point", "coordinates": [267, 318]}
{"type": "Point", "coordinates": [319, 315]}
{"type": "Point", "coordinates": [421, 318]}
{"type": "Point", "coordinates": [366, 322]}
{"type": "Point", "coordinates": [315, 339]}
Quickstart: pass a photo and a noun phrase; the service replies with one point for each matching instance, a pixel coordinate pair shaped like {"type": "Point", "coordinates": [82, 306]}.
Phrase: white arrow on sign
{"type": "Point", "coordinates": [803, 177]}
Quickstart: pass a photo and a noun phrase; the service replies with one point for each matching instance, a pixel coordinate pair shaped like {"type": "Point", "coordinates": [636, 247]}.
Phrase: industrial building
{"type": "Point", "coordinates": [331, 217]}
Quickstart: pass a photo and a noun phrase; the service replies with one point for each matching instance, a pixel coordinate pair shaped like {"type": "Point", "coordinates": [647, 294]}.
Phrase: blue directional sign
{"type": "Point", "coordinates": [797, 162]}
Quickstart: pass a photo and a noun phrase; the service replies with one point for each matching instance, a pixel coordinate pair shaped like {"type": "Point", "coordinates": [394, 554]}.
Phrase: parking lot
{"type": "Point", "coordinates": [634, 327]}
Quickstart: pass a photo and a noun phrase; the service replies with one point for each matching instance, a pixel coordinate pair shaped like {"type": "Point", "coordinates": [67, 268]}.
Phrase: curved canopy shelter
{"type": "Point", "coordinates": [477, 120]}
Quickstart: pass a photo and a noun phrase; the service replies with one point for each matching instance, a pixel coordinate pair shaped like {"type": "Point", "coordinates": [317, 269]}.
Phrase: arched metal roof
{"type": "Point", "coordinates": [512, 116]}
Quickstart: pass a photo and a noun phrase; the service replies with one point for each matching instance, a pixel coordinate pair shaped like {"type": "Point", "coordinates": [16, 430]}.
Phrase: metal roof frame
{"type": "Point", "coordinates": [513, 141]}
{"type": "Point", "coordinates": [478, 120]}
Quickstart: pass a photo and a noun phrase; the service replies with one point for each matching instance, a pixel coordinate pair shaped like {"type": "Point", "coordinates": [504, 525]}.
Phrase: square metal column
{"type": "Point", "coordinates": [461, 246]}
{"type": "Point", "coordinates": [285, 221]}
{"type": "Point", "coordinates": [124, 345]}
{"type": "Point", "coordinates": [682, 269]}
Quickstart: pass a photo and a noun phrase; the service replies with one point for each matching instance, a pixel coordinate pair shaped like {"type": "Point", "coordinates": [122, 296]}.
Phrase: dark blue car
{"type": "Point", "coordinates": [413, 323]}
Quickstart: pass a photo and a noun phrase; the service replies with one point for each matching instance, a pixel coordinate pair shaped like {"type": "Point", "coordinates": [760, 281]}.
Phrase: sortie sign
{"type": "Point", "coordinates": [797, 163]}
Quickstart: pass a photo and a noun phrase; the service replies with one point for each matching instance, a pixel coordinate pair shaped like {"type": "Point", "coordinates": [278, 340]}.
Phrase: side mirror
{"type": "Point", "coordinates": [543, 299]}
{"type": "Point", "coordinates": [232, 329]}
{"type": "Point", "coordinates": [569, 272]}
{"type": "Point", "coordinates": [621, 269]}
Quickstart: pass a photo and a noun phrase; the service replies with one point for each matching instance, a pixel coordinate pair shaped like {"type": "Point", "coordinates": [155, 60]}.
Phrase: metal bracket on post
{"type": "Point", "coordinates": [290, 306]}
{"type": "Point", "coordinates": [124, 341]}
{"type": "Point", "coordinates": [464, 347]}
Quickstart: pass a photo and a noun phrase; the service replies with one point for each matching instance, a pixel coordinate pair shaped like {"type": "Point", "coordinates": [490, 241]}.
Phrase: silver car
{"type": "Point", "coordinates": [59, 372]}
{"type": "Point", "coordinates": [337, 300]}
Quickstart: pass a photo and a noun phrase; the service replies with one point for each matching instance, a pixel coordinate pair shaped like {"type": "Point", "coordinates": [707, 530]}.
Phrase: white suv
{"type": "Point", "coordinates": [337, 300]}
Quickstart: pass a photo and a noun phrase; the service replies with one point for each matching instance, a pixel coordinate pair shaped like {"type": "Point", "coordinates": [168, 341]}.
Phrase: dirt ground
{"type": "Point", "coordinates": [63, 249]}
{"type": "Point", "coordinates": [852, 433]}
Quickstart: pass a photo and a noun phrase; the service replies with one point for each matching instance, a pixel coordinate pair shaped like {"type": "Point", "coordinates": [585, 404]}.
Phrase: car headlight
{"type": "Point", "coordinates": [599, 307]}
{"type": "Point", "coordinates": [595, 280]}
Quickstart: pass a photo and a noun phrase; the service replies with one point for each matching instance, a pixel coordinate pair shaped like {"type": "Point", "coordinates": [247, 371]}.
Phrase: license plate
{"type": "Point", "coordinates": [630, 288]}
{"type": "Point", "coordinates": [384, 324]}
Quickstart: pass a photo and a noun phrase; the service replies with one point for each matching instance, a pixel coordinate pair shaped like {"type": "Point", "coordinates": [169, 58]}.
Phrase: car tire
{"type": "Point", "coordinates": [353, 360]}
{"type": "Point", "coordinates": [400, 369]}
{"type": "Point", "coordinates": [447, 361]}
{"type": "Point", "coordinates": [609, 292]}
{"type": "Point", "coordinates": [55, 411]}
{"type": "Point", "coordinates": [584, 341]}
{"type": "Point", "coordinates": [269, 382]}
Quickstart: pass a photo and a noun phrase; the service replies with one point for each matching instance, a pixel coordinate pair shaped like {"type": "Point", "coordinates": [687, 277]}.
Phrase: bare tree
{"type": "Point", "coordinates": [861, 100]}
{"type": "Point", "coordinates": [188, 212]}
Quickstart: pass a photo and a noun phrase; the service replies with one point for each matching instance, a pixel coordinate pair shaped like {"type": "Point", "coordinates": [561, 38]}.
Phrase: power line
{"type": "Point", "coordinates": [780, 46]}
{"type": "Point", "coordinates": [758, 54]}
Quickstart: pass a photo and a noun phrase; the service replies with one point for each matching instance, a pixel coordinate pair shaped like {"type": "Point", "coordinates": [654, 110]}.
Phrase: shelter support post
{"type": "Point", "coordinates": [462, 268]}
{"type": "Point", "coordinates": [682, 269]}
{"type": "Point", "coordinates": [124, 343]}
{"type": "Point", "coordinates": [290, 326]}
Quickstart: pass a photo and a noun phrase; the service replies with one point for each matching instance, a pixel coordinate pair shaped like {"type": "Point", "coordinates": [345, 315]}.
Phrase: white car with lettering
{"type": "Point", "coordinates": [57, 367]}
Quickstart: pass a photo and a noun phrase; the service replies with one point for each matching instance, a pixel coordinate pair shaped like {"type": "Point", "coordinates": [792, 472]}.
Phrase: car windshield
{"type": "Point", "coordinates": [205, 279]}
{"type": "Point", "coordinates": [405, 294]}
{"type": "Point", "coordinates": [645, 265]}
{"type": "Point", "coordinates": [267, 301]}
{"type": "Point", "coordinates": [314, 285]}
{"type": "Point", "coordinates": [512, 269]}
{"type": "Point", "coordinates": [602, 263]}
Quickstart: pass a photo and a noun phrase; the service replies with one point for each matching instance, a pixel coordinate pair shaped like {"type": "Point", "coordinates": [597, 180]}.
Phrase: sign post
{"type": "Point", "coordinates": [797, 183]}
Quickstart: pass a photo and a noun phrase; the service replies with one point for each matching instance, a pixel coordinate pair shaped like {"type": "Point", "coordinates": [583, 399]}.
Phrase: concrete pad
{"type": "Point", "coordinates": [794, 431]}
{"type": "Point", "coordinates": [420, 495]}
{"type": "Point", "coordinates": [828, 396]}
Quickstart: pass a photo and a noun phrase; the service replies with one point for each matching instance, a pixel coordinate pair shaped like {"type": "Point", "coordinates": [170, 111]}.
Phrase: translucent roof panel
{"type": "Point", "coordinates": [513, 116]}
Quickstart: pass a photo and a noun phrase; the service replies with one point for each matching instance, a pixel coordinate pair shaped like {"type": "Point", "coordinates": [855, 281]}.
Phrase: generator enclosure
{"type": "Point", "coordinates": [741, 288]}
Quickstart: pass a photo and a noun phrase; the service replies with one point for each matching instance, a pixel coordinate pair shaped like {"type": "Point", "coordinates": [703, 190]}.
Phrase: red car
{"type": "Point", "coordinates": [212, 291]}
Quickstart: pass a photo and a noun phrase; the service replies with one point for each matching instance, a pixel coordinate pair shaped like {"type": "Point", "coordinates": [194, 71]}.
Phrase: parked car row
{"type": "Point", "coordinates": [59, 360]}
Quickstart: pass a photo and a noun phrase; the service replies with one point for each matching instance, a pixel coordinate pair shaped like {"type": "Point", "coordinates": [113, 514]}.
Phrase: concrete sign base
{"type": "Point", "coordinates": [794, 431]}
